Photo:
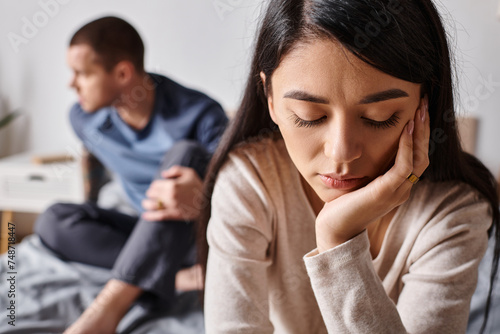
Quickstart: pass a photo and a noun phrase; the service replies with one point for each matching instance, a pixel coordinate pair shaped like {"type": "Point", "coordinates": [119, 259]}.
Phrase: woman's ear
{"type": "Point", "coordinates": [269, 96]}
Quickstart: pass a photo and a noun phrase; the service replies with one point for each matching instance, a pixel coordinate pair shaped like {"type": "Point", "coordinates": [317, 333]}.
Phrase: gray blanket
{"type": "Point", "coordinates": [478, 302]}
{"type": "Point", "coordinates": [46, 294]}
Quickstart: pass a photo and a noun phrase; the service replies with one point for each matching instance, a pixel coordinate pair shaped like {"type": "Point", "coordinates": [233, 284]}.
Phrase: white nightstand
{"type": "Point", "coordinates": [29, 187]}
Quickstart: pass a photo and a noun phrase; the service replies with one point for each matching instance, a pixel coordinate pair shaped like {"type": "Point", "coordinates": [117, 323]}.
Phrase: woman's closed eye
{"type": "Point", "coordinates": [388, 123]}
{"type": "Point", "coordinates": [299, 122]}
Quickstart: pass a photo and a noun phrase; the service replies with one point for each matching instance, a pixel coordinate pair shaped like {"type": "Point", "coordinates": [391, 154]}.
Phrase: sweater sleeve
{"type": "Point", "coordinates": [239, 235]}
{"type": "Point", "coordinates": [435, 291]}
{"type": "Point", "coordinates": [350, 295]}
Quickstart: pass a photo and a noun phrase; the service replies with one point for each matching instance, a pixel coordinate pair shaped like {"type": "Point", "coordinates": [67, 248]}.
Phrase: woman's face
{"type": "Point", "coordinates": [340, 118]}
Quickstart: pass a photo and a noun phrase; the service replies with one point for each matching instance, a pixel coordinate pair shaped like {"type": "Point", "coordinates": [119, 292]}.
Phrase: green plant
{"type": "Point", "coordinates": [8, 118]}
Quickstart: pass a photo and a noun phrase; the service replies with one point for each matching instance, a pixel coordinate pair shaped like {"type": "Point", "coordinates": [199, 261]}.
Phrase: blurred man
{"type": "Point", "coordinates": [156, 136]}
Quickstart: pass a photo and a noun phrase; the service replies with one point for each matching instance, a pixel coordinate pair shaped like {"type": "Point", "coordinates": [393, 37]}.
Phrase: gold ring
{"type": "Point", "coordinates": [413, 178]}
{"type": "Point", "coordinates": [160, 204]}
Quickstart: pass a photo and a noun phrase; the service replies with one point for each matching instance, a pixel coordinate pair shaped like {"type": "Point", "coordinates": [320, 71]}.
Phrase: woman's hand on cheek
{"type": "Point", "coordinates": [350, 214]}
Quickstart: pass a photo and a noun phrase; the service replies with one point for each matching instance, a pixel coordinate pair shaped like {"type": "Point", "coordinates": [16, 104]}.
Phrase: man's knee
{"type": "Point", "coordinates": [187, 153]}
{"type": "Point", "coordinates": [184, 150]}
{"type": "Point", "coordinates": [49, 225]}
{"type": "Point", "coordinates": [47, 219]}
{"type": "Point", "coordinates": [187, 146]}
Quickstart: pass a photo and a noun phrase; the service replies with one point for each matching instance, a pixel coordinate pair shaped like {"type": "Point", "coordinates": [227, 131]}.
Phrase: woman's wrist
{"type": "Point", "coordinates": [329, 240]}
{"type": "Point", "coordinates": [327, 237]}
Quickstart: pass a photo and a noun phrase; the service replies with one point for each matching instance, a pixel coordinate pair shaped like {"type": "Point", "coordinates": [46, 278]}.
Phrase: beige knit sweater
{"type": "Point", "coordinates": [260, 280]}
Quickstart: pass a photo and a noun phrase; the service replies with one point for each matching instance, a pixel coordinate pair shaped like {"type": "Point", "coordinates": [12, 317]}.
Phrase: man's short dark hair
{"type": "Point", "coordinates": [114, 40]}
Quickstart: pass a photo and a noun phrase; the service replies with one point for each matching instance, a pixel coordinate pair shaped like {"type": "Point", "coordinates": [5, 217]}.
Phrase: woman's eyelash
{"type": "Point", "coordinates": [392, 121]}
{"type": "Point", "coordinates": [299, 122]}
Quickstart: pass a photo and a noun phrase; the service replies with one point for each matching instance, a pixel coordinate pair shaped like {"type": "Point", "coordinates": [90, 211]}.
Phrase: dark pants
{"type": "Point", "coordinates": [144, 253]}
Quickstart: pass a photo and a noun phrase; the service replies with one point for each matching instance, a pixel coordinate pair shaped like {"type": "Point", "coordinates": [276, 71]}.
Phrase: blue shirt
{"type": "Point", "coordinates": [135, 155]}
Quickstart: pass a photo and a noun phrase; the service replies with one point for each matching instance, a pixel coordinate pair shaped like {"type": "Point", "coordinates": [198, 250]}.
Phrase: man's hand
{"type": "Point", "coordinates": [189, 279]}
{"type": "Point", "coordinates": [176, 197]}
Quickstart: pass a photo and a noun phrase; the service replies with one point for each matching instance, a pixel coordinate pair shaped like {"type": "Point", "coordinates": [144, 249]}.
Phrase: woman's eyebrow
{"type": "Point", "coordinates": [384, 96]}
{"type": "Point", "coordinates": [304, 96]}
{"type": "Point", "coordinates": [372, 98]}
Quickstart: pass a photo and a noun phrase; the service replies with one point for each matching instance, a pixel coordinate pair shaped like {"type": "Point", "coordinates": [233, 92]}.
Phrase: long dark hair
{"type": "Point", "coordinates": [403, 38]}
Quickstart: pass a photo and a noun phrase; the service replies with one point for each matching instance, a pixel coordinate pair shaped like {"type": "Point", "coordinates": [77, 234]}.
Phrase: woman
{"type": "Point", "coordinates": [317, 222]}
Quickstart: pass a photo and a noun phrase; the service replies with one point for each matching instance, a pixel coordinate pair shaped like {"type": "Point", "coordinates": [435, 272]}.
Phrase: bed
{"type": "Point", "coordinates": [51, 293]}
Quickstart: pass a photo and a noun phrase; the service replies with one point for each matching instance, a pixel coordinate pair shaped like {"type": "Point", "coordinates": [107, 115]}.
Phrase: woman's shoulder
{"type": "Point", "coordinates": [263, 155]}
{"type": "Point", "coordinates": [260, 146]}
{"type": "Point", "coordinates": [446, 194]}
{"type": "Point", "coordinates": [259, 165]}
{"type": "Point", "coordinates": [438, 210]}
{"type": "Point", "coordinates": [249, 183]}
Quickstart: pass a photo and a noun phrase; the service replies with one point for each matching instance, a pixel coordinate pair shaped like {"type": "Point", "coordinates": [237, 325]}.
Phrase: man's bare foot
{"type": "Point", "coordinates": [189, 279]}
{"type": "Point", "coordinates": [93, 321]}
{"type": "Point", "coordinates": [106, 311]}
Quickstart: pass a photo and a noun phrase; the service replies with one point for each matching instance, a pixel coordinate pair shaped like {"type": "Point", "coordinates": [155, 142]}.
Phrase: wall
{"type": "Point", "coordinates": [204, 44]}
{"type": "Point", "coordinates": [201, 43]}
{"type": "Point", "coordinates": [475, 31]}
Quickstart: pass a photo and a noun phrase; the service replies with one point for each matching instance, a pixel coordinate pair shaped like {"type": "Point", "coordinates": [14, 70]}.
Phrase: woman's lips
{"type": "Point", "coordinates": [345, 183]}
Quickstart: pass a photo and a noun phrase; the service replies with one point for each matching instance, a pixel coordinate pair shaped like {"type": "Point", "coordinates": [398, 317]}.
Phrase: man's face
{"type": "Point", "coordinates": [96, 88]}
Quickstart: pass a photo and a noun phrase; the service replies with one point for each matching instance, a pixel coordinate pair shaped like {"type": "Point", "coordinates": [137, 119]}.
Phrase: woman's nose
{"type": "Point", "coordinates": [343, 142]}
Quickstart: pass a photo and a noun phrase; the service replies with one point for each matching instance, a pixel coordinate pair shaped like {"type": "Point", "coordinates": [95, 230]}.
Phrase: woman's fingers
{"type": "Point", "coordinates": [393, 185]}
{"type": "Point", "coordinates": [403, 164]}
{"type": "Point", "coordinates": [421, 139]}
{"type": "Point", "coordinates": [413, 151]}
{"type": "Point", "coordinates": [419, 152]}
